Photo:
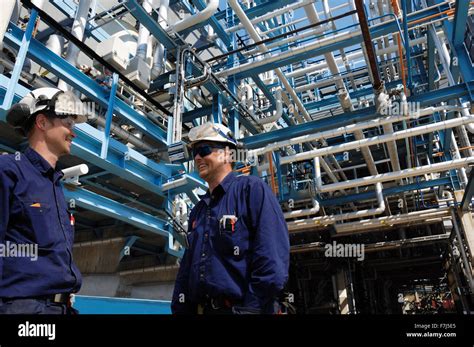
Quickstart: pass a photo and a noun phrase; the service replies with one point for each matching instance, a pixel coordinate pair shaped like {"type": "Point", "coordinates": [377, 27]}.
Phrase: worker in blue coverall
{"type": "Point", "coordinates": [33, 210]}
{"type": "Point", "coordinates": [238, 256]}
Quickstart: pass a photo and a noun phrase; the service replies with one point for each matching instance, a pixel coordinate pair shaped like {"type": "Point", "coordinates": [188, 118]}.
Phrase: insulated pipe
{"type": "Point", "coordinates": [343, 94]}
{"type": "Point", "coordinates": [256, 37]}
{"type": "Point", "coordinates": [180, 182]}
{"type": "Point", "coordinates": [159, 55]}
{"type": "Point", "coordinates": [143, 34]}
{"type": "Point", "coordinates": [8, 6]}
{"type": "Point", "coordinates": [329, 81]}
{"type": "Point", "coordinates": [397, 175]}
{"type": "Point", "coordinates": [289, 53]}
{"type": "Point", "coordinates": [366, 153]}
{"type": "Point", "coordinates": [247, 97]}
{"type": "Point", "coordinates": [327, 220]}
{"type": "Point", "coordinates": [197, 18]}
{"type": "Point", "coordinates": [351, 57]}
{"type": "Point", "coordinates": [424, 129]}
{"type": "Point", "coordinates": [314, 32]}
{"type": "Point", "coordinates": [424, 216]}
{"type": "Point", "coordinates": [295, 51]}
{"type": "Point", "coordinates": [305, 212]}
{"type": "Point", "coordinates": [344, 130]}
{"type": "Point", "coordinates": [158, 61]}
{"type": "Point", "coordinates": [75, 171]}
{"type": "Point", "coordinates": [78, 28]}
{"type": "Point", "coordinates": [271, 15]}
{"type": "Point", "coordinates": [277, 113]}
{"type": "Point", "coordinates": [327, 12]}
{"type": "Point", "coordinates": [55, 43]}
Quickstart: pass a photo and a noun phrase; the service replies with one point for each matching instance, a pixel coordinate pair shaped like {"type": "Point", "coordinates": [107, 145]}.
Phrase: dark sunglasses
{"type": "Point", "coordinates": [205, 150]}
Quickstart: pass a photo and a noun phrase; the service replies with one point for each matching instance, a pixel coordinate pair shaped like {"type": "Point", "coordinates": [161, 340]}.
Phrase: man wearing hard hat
{"type": "Point", "coordinates": [33, 210]}
{"type": "Point", "coordinates": [238, 256]}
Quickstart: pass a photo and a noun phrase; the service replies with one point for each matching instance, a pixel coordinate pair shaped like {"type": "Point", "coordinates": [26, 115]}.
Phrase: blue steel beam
{"type": "Point", "coordinates": [121, 160]}
{"type": "Point", "coordinates": [375, 32]}
{"type": "Point", "coordinates": [258, 10]}
{"type": "Point", "coordinates": [426, 99]}
{"type": "Point", "coordinates": [61, 68]}
{"type": "Point", "coordinates": [20, 60]}
{"type": "Point", "coordinates": [460, 60]}
{"type": "Point", "coordinates": [110, 208]}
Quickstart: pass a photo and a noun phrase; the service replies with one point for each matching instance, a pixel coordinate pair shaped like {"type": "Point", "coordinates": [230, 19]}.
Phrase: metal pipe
{"type": "Point", "coordinates": [197, 18]}
{"type": "Point", "coordinates": [366, 153]}
{"type": "Point", "coordinates": [8, 7]}
{"type": "Point", "coordinates": [343, 94]}
{"type": "Point", "coordinates": [306, 212]}
{"type": "Point", "coordinates": [339, 131]}
{"type": "Point", "coordinates": [378, 85]}
{"type": "Point", "coordinates": [397, 175]}
{"type": "Point", "coordinates": [327, 220]}
{"type": "Point", "coordinates": [77, 30]}
{"type": "Point", "coordinates": [75, 171]}
{"type": "Point", "coordinates": [123, 134]}
{"type": "Point", "coordinates": [159, 55]}
{"type": "Point", "coordinates": [271, 15]}
{"type": "Point", "coordinates": [256, 37]}
{"type": "Point", "coordinates": [55, 43]}
{"type": "Point", "coordinates": [385, 223]}
{"type": "Point", "coordinates": [403, 134]}
{"type": "Point", "coordinates": [465, 261]}
{"type": "Point", "coordinates": [32, 79]}
{"type": "Point", "coordinates": [270, 118]}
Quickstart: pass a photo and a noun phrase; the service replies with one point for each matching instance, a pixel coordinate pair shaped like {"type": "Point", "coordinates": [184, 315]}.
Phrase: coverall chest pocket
{"type": "Point", "coordinates": [232, 241]}
{"type": "Point", "coordinates": [38, 222]}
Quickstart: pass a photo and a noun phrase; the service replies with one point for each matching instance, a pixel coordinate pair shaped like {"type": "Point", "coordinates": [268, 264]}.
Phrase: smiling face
{"type": "Point", "coordinates": [56, 133]}
{"type": "Point", "coordinates": [213, 164]}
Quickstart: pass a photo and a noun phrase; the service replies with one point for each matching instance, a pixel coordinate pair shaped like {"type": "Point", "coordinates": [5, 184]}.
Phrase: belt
{"type": "Point", "coordinates": [62, 298]}
{"type": "Point", "coordinates": [222, 304]}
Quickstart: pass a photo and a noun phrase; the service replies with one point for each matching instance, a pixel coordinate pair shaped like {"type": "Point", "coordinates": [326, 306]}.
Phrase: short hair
{"type": "Point", "coordinates": [30, 123]}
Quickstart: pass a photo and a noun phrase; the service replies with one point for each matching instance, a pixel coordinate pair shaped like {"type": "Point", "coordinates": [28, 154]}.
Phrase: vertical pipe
{"type": "Point", "coordinates": [7, 11]}
{"type": "Point", "coordinates": [407, 43]}
{"type": "Point", "coordinates": [364, 26]}
{"type": "Point", "coordinates": [78, 28]}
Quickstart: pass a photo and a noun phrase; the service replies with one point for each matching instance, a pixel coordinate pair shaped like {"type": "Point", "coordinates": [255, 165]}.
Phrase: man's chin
{"type": "Point", "coordinates": [203, 174]}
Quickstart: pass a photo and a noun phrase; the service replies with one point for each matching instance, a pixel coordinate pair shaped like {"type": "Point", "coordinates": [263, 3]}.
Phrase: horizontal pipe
{"type": "Point", "coordinates": [197, 18]}
{"type": "Point", "coordinates": [74, 171]}
{"type": "Point", "coordinates": [327, 220]}
{"type": "Point", "coordinates": [396, 175]}
{"type": "Point", "coordinates": [403, 134]}
{"type": "Point", "coordinates": [305, 212]}
{"type": "Point", "coordinates": [379, 223]}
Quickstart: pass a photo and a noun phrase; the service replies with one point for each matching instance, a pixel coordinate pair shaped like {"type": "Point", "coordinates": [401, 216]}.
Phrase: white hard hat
{"type": "Point", "coordinates": [62, 104]}
{"type": "Point", "coordinates": [211, 132]}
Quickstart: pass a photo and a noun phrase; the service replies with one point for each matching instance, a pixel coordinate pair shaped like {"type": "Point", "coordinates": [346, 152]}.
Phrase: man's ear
{"type": "Point", "coordinates": [41, 121]}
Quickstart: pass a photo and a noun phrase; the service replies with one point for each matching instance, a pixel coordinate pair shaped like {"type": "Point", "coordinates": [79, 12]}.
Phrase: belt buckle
{"type": "Point", "coordinates": [61, 298]}
{"type": "Point", "coordinates": [214, 305]}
